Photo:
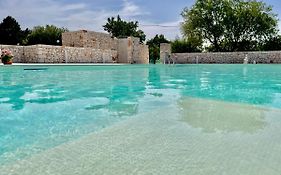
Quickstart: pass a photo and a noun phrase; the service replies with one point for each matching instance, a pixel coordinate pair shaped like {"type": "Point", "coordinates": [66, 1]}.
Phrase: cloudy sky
{"type": "Point", "coordinates": [154, 16]}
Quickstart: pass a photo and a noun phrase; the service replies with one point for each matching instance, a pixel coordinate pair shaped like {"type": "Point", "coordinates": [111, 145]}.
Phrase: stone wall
{"type": "Point", "coordinates": [228, 57]}
{"type": "Point", "coordinates": [165, 51]}
{"type": "Point", "coordinates": [89, 39]}
{"type": "Point", "coordinates": [124, 51]}
{"type": "Point", "coordinates": [84, 47]}
{"type": "Point", "coordinates": [129, 50]}
{"type": "Point", "coordinates": [144, 54]}
{"type": "Point", "coordinates": [16, 50]}
{"type": "Point", "coordinates": [140, 52]}
{"type": "Point", "coordinates": [60, 54]}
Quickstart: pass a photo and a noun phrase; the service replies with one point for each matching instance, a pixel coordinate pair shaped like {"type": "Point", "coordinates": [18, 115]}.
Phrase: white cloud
{"type": "Point", "coordinates": [76, 16]}
{"type": "Point", "coordinates": [130, 9]}
{"type": "Point", "coordinates": [169, 29]}
{"type": "Point", "coordinates": [69, 7]}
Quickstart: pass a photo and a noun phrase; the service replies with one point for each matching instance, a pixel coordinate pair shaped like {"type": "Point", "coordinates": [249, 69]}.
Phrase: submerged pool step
{"type": "Point", "coordinates": [39, 68]}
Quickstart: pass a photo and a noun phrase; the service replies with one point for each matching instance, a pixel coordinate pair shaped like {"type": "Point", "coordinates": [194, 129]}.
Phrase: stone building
{"type": "Point", "coordinates": [129, 50]}
{"type": "Point", "coordinates": [89, 39]}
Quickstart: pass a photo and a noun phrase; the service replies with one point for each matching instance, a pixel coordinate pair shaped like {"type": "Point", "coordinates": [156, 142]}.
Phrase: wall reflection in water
{"type": "Point", "coordinates": [217, 116]}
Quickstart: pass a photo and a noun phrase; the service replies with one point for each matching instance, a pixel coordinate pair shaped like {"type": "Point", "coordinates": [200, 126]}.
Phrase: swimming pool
{"type": "Point", "coordinates": [223, 106]}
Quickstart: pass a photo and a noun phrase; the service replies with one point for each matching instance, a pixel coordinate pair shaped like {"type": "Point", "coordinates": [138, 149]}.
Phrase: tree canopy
{"type": "Point", "coordinates": [10, 31]}
{"type": "Point", "coordinates": [230, 25]}
{"type": "Point", "coordinates": [184, 46]}
{"type": "Point", "coordinates": [154, 47]}
{"type": "Point", "coordinates": [120, 28]}
{"type": "Point", "coordinates": [273, 43]}
{"type": "Point", "coordinates": [50, 35]}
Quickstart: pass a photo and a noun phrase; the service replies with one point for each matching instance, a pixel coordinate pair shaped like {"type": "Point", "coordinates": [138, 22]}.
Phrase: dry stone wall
{"type": "Point", "coordinates": [140, 52]}
{"type": "Point", "coordinates": [59, 54]}
{"type": "Point", "coordinates": [144, 54]}
{"type": "Point", "coordinates": [16, 50]}
{"type": "Point", "coordinates": [89, 39]}
{"type": "Point", "coordinates": [129, 50]}
{"type": "Point", "coordinates": [270, 57]}
{"type": "Point", "coordinates": [124, 51]}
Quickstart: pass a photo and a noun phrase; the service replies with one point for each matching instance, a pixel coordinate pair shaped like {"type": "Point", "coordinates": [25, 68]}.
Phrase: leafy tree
{"type": "Point", "coordinates": [229, 25]}
{"type": "Point", "coordinates": [184, 46]}
{"type": "Point", "coordinates": [50, 35]}
{"type": "Point", "coordinates": [10, 31]}
{"type": "Point", "coordinates": [154, 47]}
{"type": "Point", "coordinates": [24, 35]}
{"type": "Point", "coordinates": [273, 43]}
{"type": "Point", "coordinates": [120, 29]}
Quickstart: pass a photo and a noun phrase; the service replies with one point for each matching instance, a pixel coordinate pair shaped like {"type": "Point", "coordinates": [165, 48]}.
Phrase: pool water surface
{"type": "Point", "coordinates": [207, 116]}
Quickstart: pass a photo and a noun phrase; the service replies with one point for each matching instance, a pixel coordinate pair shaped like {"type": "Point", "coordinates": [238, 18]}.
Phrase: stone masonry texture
{"type": "Point", "coordinates": [165, 50]}
{"type": "Point", "coordinates": [84, 47]}
{"type": "Point", "coordinates": [60, 54]}
{"type": "Point", "coordinates": [129, 50]}
{"type": "Point", "coordinates": [269, 57]}
{"type": "Point", "coordinates": [258, 57]}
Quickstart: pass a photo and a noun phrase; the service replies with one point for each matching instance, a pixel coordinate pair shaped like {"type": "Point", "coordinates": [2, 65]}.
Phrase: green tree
{"type": "Point", "coordinates": [154, 47]}
{"type": "Point", "coordinates": [50, 35]}
{"type": "Point", "coordinates": [120, 28]}
{"type": "Point", "coordinates": [10, 31]}
{"type": "Point", "coordinates": [184, 46]}
{"type": "Point", "coordinates": [24, 35]}
{"type": "Point", "coordinates": [230, 25]}
{"type": "Point", "coordinates": [271, 44]}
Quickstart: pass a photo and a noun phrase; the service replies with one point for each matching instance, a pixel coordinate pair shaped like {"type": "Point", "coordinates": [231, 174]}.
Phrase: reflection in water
{"type": "Point", "coordinates": [50, 107]}
{"type": "Point", "coordinates": [42, 109]}
{"type": "Point", "coordinates": [69, 84]}
{"type": "Point", "coordinates": [217, 116]}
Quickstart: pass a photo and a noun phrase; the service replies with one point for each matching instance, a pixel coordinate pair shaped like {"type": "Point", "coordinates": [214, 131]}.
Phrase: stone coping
{"type": "Point", "coordinates": [64, 64]}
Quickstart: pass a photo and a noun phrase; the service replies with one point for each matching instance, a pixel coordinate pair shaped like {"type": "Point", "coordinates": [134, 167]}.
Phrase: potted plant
{"type": "Point", "coordinates": [6, 56]}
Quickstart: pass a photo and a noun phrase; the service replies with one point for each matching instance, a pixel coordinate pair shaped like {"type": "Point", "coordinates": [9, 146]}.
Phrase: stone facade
{"type": "Point", "coordinates": [129, 50]}
{"type": "Point", "coordinates": [89, 39]}
{"type": "Point", "coordinates": [269, 57]}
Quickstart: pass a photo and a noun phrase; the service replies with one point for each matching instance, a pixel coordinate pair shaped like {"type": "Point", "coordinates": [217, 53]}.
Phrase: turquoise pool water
{"type": "Point", "coordinates": [45, 108]}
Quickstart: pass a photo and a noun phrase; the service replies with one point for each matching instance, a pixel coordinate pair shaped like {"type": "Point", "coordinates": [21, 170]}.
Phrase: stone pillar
{"type": "Point", "coordinates": [165, 51]}
{"type": "Point", "coordinates": [124, 50]}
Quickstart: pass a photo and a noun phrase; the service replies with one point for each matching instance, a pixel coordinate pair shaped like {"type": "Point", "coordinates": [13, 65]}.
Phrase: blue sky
{"type": "Point", "coordinates": [92, 14]}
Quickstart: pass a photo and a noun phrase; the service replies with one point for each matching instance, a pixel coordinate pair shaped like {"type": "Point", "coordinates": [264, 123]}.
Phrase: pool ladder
{"type": "Point", "coordinates": [168, 59]}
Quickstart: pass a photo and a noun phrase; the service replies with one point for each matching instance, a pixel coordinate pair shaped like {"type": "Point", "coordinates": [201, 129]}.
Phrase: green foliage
{"type": "Point", "coordinates": [273, 43]}
{"type": "Point", "coordinates": [184, 46]}
{"type": "Point", "coordinates": [50, 35]}
{"type": "Point", "coordinates": [154, 47]}
{"type": "Point", "coordinates": [6, 56]}
{"type": "Point", "coordinates": [229, 25]}
{"type": "Point", "coordinates": [10, 31]}
{"type": "Point", "coordinates": [120, 29]}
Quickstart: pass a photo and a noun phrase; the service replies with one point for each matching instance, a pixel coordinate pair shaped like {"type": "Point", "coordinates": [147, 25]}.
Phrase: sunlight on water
{"type": "Point", "coordinates": [189, 136]}
{"type": "Point", "coordinates": [235, 109]}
